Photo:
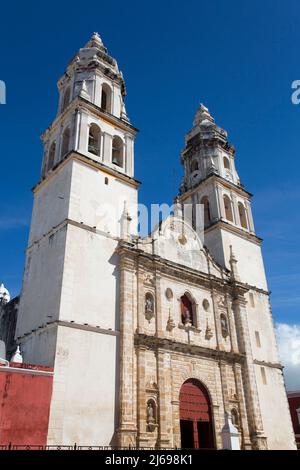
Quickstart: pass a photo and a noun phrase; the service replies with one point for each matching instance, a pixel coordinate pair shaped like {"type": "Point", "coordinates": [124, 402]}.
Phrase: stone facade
{"type": "Point", "coordinates": [125, 320]}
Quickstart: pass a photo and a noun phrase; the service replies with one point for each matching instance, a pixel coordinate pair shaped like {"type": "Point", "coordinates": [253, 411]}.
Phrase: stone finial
{"type": "Point", "coordinates": [208, 332]}
{"type": "Point", "coordinates": [170, 323]}
{"type": "Point", "coordinates": [233, 264]}
{"type": "Point", "coordinates": [96, 38]}
{"type": "Point", "coordinates": [125, 223]}
{"type": "Point", "coordinates": [203, 116]}
{"type": "Point", "coordinates": [17, 357]}
{"type": "Point", "coordinates": [4, 294]}
{"type": "Point", "coordinates": [95, 41]}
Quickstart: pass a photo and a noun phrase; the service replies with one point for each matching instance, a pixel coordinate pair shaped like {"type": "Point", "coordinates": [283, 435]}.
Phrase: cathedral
{"type": "Point", "coordinates": [155, 341]}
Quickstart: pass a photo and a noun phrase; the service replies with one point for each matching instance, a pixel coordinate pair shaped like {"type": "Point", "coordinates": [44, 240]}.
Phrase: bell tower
{"type": "Point", "coordinates": [69, 307]}
{"type": "Point", "coordinates": [210, 178]}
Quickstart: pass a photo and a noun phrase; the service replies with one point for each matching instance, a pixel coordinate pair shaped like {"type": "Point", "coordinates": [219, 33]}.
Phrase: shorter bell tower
{"type": "Point", "coordinates": [211, 179]}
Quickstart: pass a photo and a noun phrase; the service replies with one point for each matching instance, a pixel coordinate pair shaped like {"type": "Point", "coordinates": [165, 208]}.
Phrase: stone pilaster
{"type": "Point", "coordinates": [248, 375]}
{"type": "Point", "coordinates": [127, 430]}
{"type": "Point", "coordinates": [142, 438]}
{"type": "Point", "coordinates": [231, 323]}
{"type": "Point", "coordinates": [246, 442]}
{"type": "Point", "coordinates": [216, 317]}
{"type": "Point", "coordinates": [107, 143]}
{"type": "Point", "coordinates": [176, 423]}
{"type": "Point", "coordinates": [164, 398]}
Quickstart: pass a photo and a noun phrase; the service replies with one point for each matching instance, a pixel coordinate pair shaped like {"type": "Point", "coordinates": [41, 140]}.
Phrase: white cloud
{"type": "Point", "coordinates": [289, 350]}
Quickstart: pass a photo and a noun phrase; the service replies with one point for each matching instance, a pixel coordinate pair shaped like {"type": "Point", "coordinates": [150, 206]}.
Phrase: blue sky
{"type": "Point", "coordinates": [238, 58]}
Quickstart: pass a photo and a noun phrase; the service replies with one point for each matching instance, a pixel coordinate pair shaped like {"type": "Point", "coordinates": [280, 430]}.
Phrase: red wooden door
{"type": "Point", "coordinates": [195, 407]}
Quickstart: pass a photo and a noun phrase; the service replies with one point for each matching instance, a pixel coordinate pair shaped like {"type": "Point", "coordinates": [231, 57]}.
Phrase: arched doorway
{"type": "Point", "coordinates": [195, 416]}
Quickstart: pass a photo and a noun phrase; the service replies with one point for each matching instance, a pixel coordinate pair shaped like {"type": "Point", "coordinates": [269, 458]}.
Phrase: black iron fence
{"type": "Point", "coordinates": [11, 446]}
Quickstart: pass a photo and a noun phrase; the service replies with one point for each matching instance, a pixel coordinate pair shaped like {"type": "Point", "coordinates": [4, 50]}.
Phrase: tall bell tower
{"type": "Point", "coordinates": [69, 308]}
{"type": "Point", "coordinates": [210, 178]}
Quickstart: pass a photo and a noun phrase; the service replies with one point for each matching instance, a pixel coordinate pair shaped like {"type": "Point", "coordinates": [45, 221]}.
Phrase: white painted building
{"type": "Point", "coordinates": [134, 326]}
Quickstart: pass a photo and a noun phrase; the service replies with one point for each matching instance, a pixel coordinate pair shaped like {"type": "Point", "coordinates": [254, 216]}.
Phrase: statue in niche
{"type": "Point", "coordinates": [224, 326]}
{"type": "Point", "coordinates": [150, 412]}
{"type": "Point", "coordinates": [187, 320]}
{"type": "Point", "coordinates": [149, 306]}
{"type": "Point", "coordinates": [151, 419]}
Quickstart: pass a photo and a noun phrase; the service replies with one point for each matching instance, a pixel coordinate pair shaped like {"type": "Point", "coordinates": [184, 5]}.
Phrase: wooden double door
{"type": "Point", "coordinates": [195, 416]}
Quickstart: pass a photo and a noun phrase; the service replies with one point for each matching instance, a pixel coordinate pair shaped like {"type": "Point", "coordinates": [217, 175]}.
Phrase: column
{"type": "Point", "coordinates": [141, 397]}
{"type": "Point", "coordinates": [82, 140]}
{"type": "Point", "coordinates": [248, 374]}
{"type": "Point", "coordinates": [233, 337]}
{"type": "Point", "coordinates": [220, 203]}
{"type": "Point", "coordinates": [164, 398]}
{"type": "Point", "coordinates": [127, 430]}
{"type": "Point", "coordinates": [176, 423]}
{"type": "Point", "coordinates": [128, 155]}
{"type": "Point", "coordinates": [97, 91]}
{"type": "Point", "coordinates": [246, 442]}
{"type": "Point", "coordinates": [107, 147]}
{"type": "Point", "coordinates": [249, 217]}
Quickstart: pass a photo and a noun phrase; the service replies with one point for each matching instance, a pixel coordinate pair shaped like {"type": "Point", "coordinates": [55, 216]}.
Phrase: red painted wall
{"type": "Point", "coordinates": [294, 402]}
{"type": "Point", "coordinates": [24, 405]}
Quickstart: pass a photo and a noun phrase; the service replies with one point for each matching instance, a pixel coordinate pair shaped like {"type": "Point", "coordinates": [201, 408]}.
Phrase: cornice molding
{"type": "Point", "coordinates": [155, 343]}
{"type": "Point", "coordinates": [75, 155]}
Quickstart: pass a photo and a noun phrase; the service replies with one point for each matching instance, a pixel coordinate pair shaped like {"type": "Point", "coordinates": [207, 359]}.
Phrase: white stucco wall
{"type": "Point", "coordinates": [98, 204]}
{"type": "Point", "coordinates": [40, 299]}
{"type": "Point", "coordinates": [84, 388]}
{"type": "Point", "coordinates": [51, 203]}
{"type": "Point", "coordinates": [91, 280]}
{"type": "Point", "coordinates": [274, 410]}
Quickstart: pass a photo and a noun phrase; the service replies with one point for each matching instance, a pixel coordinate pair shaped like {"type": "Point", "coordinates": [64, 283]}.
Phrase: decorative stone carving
{"type": "Point", "coordinates": [208, 332]}
{"type": "Point", "coordinates": [149, 279]}
{"type": "Point", "coordinates": [170, 323]}
{"type": "Point", "coordinates": [169, 293]}
{"type": "Point", "coordinates": [224, 326]}
{"type": "Point", "coordinates": [221, 302]}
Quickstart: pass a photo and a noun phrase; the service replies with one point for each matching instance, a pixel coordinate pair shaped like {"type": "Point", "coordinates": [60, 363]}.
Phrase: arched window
{"type": "Point", "coordinates": [66, 99]}
{"type": "Point", "coordinates": [117, 151]}
{"type": "Point", "coordinates": [207, 217]}
{"type": "Point", "coordinates": [228, 208]}
{"type": "Point", "coordinates": [187, 308]}
{"type": "Point", "coordinates": [94, 139]}
{"type": "Point", "coordinates": [226, 163]}
{"type": "Point", "coordinates": [51, 156]}
{"type": "Point", "coordinates": [65, 142]}
{"type": "Point", "coordinates": [242, 214]}
{"type": "Point", "coordinates": [194, 166]}
{"type": "Point", "coordinates": [106, 98]}
{"type": "Point", "coordinates": [235, 418]}
{"type": "Point", "coordinates": [224, 326]}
